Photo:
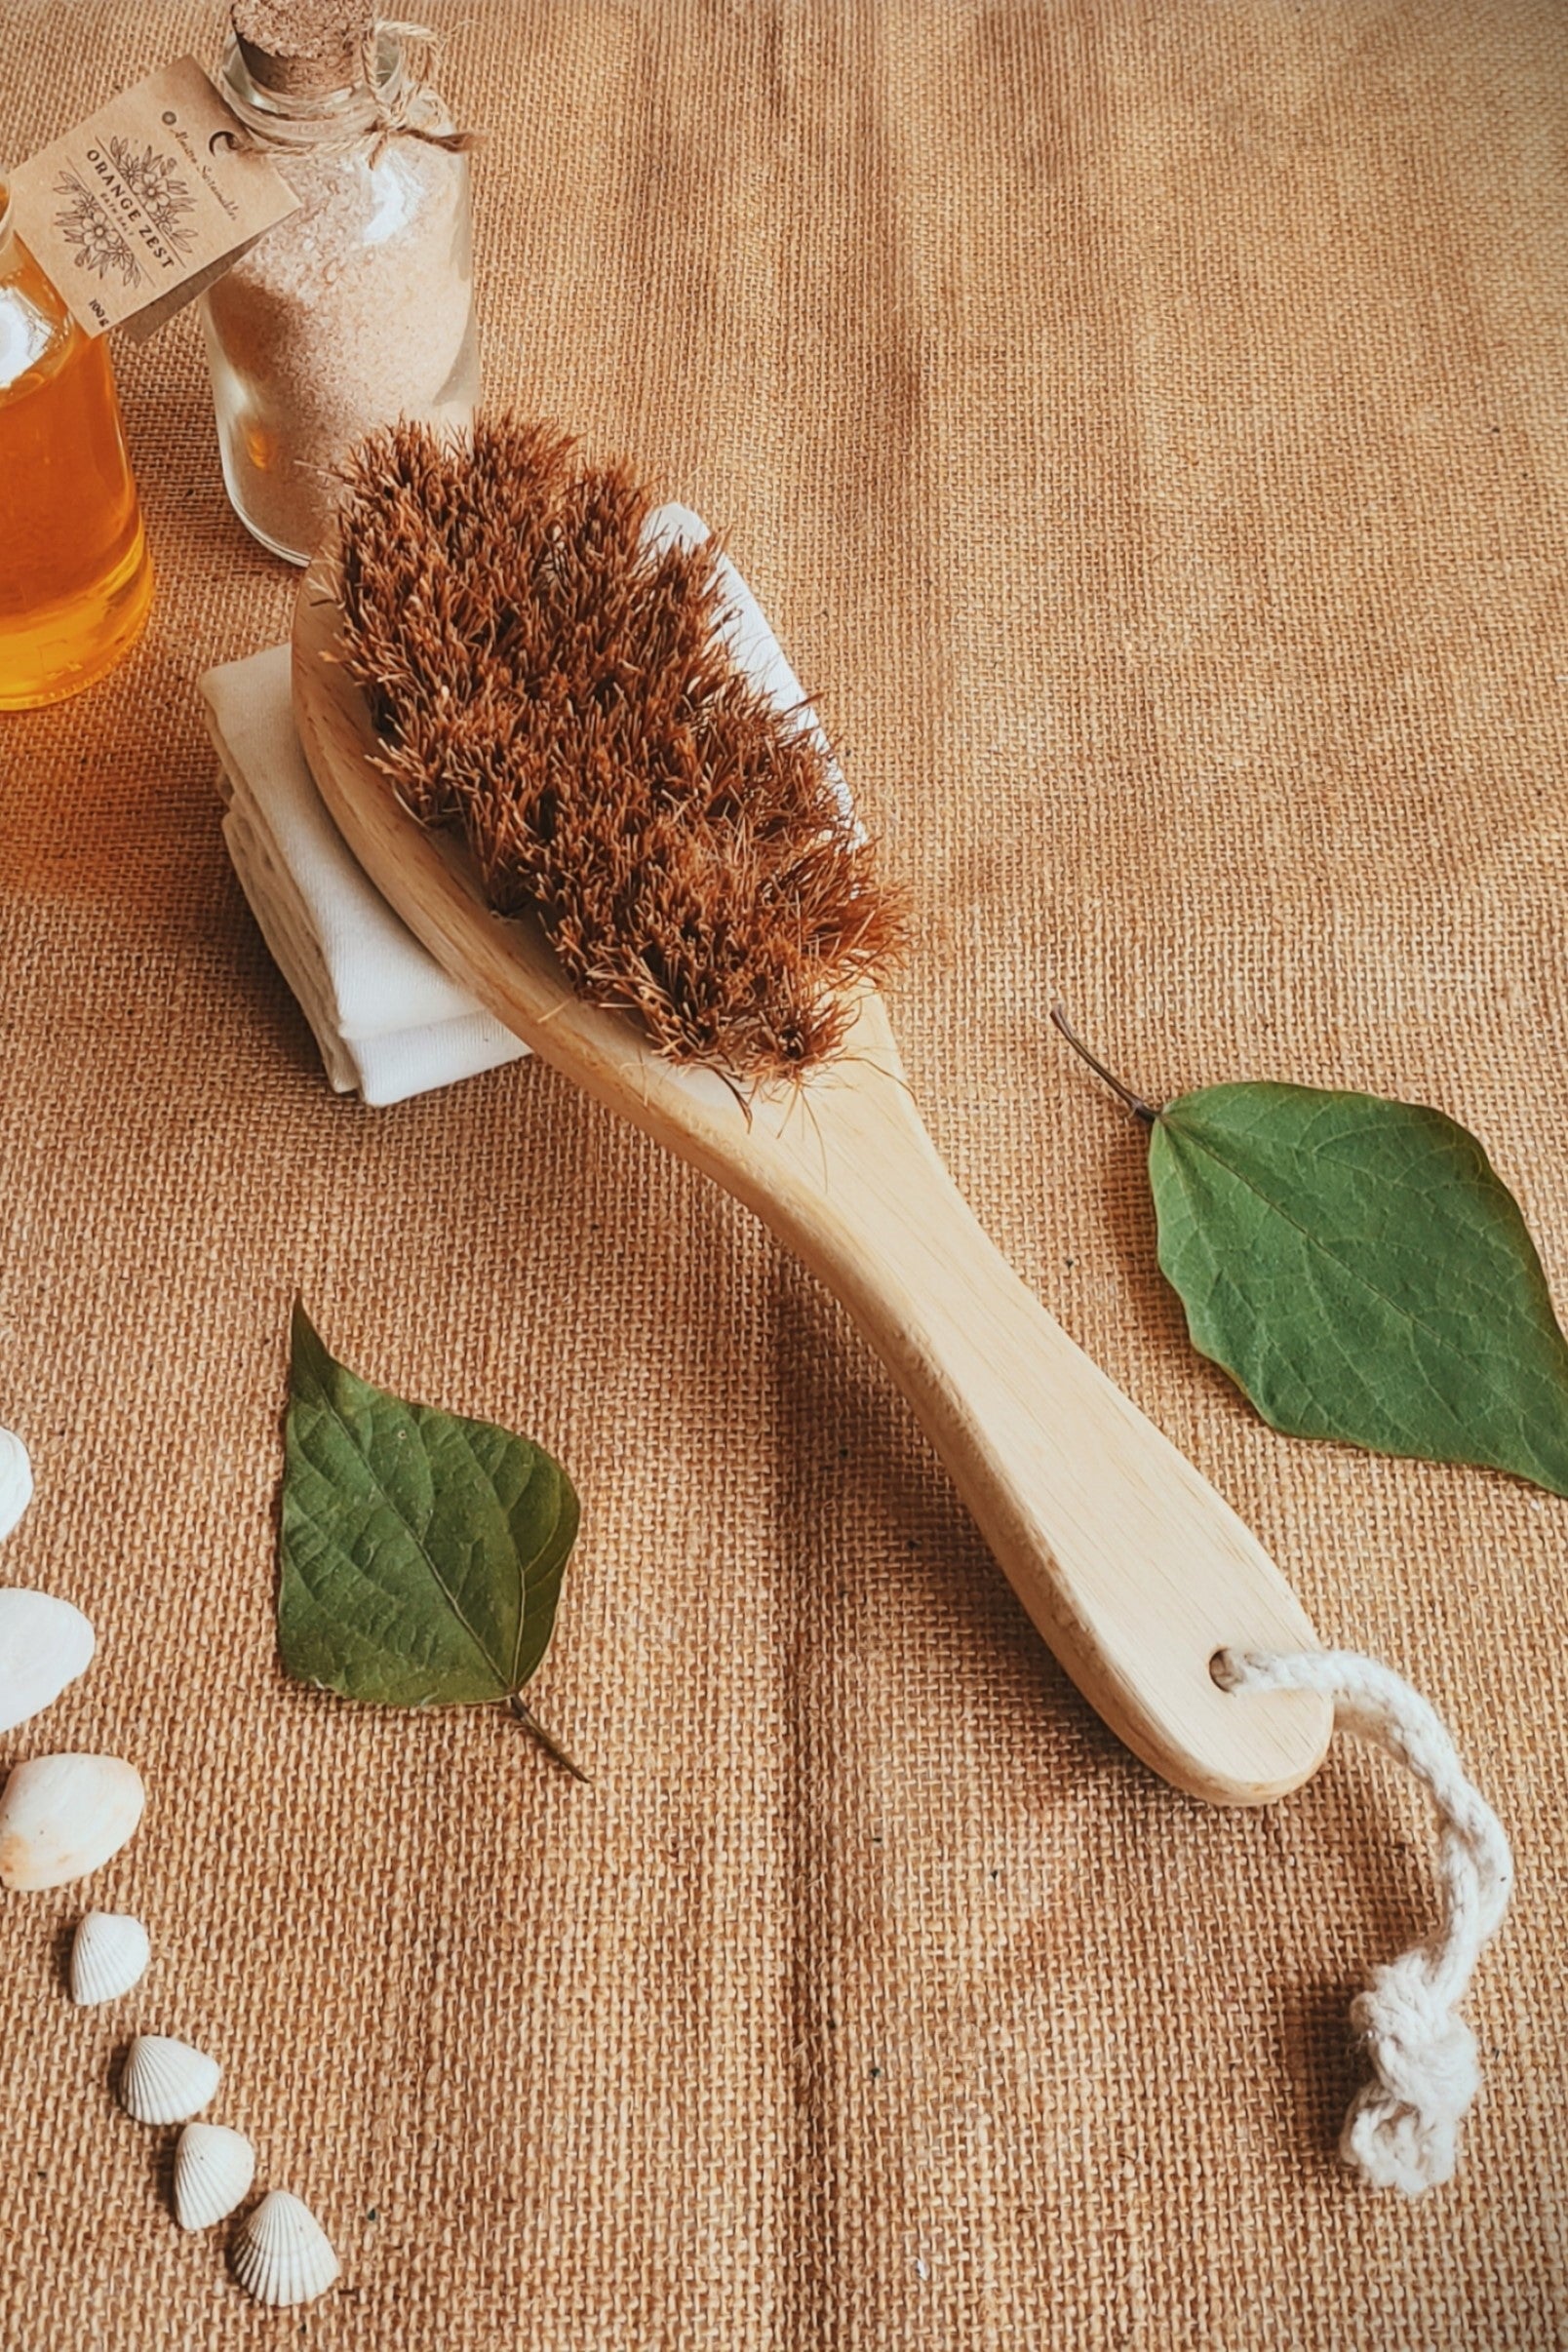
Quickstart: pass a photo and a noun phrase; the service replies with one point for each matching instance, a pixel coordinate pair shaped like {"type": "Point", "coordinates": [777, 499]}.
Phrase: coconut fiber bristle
{"type": "Point", "coordinates": [544, 683]}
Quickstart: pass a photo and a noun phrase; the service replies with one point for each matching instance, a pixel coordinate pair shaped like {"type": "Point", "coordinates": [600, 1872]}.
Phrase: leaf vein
{"type": "Point", "coordinates": [1238, 1176]}
{"type": "Point", "coordinates": [439, 1582]}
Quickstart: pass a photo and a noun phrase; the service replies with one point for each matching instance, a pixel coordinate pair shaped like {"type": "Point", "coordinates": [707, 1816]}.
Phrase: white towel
{"type": "Point", "coordinates": [388, 1021]}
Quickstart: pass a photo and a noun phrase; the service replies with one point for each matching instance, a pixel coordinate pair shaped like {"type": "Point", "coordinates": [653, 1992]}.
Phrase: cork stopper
{"type": "Point", "coordinates": [301, 47]}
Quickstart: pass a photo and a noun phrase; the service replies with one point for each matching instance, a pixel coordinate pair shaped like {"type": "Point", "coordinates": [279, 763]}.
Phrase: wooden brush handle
{"type": "Point", "coordinates": [1133, 1567]}
{"type": "Point", "coordinates": [1129, 1563]}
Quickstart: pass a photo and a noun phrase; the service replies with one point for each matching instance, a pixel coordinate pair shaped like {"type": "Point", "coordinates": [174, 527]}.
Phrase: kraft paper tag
{"type": "Point", "coordinates": [149, 200]}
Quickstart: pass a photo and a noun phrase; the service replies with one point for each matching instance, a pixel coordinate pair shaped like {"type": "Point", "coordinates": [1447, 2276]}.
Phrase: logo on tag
{"type": "Point", "coordinates": [131, 195]}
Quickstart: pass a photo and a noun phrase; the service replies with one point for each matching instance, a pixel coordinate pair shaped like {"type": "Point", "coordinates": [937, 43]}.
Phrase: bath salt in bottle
{"type": "Point", "coordinates": [358, 309]}
{"type": "Point", "coordinates": [75, 579]}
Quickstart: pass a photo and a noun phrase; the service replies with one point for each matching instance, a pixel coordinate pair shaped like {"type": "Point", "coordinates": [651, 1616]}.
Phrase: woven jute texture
{"type": "Point", "coordinates": [1144, 427]}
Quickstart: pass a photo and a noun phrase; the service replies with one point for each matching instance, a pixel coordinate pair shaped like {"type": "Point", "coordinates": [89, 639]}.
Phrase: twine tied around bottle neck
{"type": "Point", "coordinates": [1402, 2128]}
{"type": "Point", "coordinates": [421, 50]}
{"type": "Point", "coordinates": [381, 109]}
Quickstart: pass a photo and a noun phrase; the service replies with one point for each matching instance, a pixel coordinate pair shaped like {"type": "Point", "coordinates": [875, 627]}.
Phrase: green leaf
{"type": "Point", "coordinates": [1358, 1267]}
{"type": "Point", "coordinates": [422, 1554]}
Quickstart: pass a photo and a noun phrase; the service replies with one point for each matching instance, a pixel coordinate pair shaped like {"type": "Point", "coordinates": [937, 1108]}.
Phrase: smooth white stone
{"type": "Point", "coordinates": [45, 1643]}
{"type": "Point", "coordinates": [16, 1481]}
{"type": "Point", "coordinates": [61, 1816]}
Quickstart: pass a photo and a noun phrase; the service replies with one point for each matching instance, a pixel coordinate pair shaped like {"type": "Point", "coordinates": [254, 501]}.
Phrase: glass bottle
{"type": "Point", "coordinates": [75, 577]}
{"type": "Point", "coordinates": [358, 309]}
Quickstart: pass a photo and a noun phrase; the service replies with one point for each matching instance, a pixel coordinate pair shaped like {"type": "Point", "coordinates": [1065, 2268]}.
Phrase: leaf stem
{"type": "Point", "coordinates": [546, 1739]}
{"type": "Point", "coordinates": [1148, 1111]}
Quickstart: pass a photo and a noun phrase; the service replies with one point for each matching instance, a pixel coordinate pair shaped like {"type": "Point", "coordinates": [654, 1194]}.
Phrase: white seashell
{"type": "Point", "coordinates": [282, 2255]}
{"type": "Point", "coordinates": [165, 2081]}
{"type": "Point", "coordinates": [16, 1481]}
{"type": "Point", "coordinates": [61, 1816]}
{"type": "Point", "coordinates": [44, 1645]}
{"type": "Point", "coordinates": [109, 1954]}
{"type": "Point", "coordinates": [213, 2169]}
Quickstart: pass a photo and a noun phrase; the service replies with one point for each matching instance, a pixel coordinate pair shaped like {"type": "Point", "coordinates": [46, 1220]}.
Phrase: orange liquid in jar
{"type": "Point", "coordinates": [75, 578]}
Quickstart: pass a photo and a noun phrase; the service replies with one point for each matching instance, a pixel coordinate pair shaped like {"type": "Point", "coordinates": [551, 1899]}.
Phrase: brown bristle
{"type": "Point", "coordinates": [544, 683]}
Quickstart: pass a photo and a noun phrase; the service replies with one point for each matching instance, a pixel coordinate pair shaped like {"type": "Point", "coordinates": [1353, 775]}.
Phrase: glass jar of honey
{"type": "Point", "coordinates": [75, 577]}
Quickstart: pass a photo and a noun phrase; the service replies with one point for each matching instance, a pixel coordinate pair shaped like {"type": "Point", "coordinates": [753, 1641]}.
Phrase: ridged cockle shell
{"type": "Point", "coordinates": [61, 1816]}
{"type": "Point", "coordinates": [166, 2081]}
{"type": "Point", "coordinates": [44, 1645]}
{"type": "Point", "coordinates": [213, 2169]}
{"type": "Point", "coordinates": [110, 1955]}
{"type": "Point", "coordinates": [282, 2255]}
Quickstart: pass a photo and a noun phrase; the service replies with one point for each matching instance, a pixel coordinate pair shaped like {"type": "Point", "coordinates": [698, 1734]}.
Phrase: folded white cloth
{"type": "Point", "coordinates": [388, 1021]}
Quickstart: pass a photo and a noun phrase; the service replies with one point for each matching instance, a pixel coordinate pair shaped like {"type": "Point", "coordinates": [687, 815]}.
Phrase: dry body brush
{"type": "Point", "coordinates": [556, 686]}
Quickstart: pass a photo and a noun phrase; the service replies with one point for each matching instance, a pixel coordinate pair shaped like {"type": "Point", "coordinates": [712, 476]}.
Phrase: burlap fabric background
{"type": "Point", "coordinates": [1146, 427]}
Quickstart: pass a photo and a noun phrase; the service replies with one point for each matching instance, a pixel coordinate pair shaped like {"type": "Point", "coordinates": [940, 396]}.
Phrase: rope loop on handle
{"type": "Point", "coordinates": [1402, 2129]}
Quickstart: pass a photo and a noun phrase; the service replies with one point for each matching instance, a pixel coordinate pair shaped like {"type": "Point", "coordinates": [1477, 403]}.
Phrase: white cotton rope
{"type": "Point", "coordinates": [1402, 2129]}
